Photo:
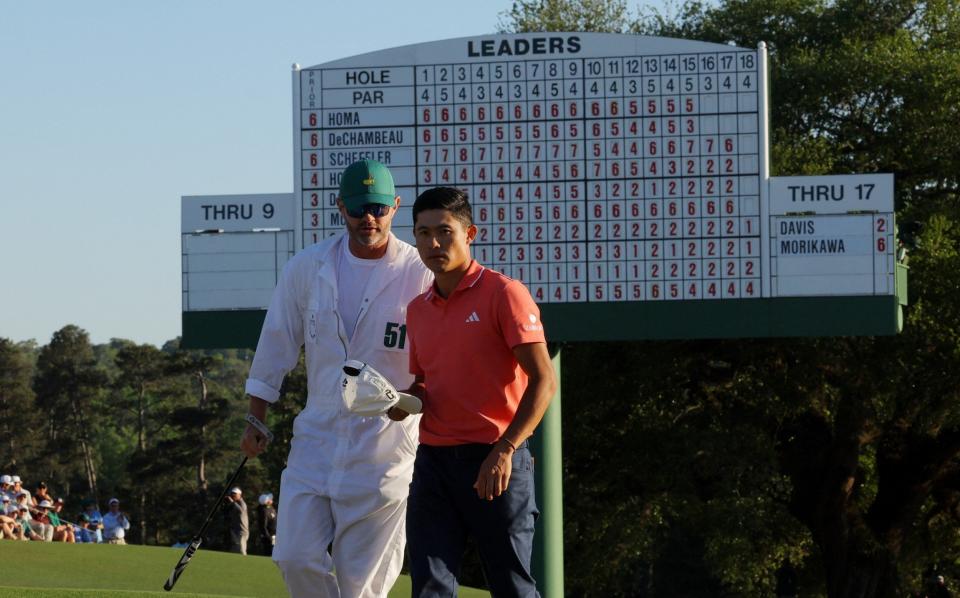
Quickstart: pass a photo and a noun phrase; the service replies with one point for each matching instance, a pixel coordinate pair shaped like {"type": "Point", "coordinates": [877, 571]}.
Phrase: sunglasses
{"type": "Point", "coordinates": [377, 210]}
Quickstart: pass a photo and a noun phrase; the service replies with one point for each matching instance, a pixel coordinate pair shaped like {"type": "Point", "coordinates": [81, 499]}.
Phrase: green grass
{"type": "Point", "coordinates": [55, 570]}
{"type": "Point", "coordinates": [60, 593]}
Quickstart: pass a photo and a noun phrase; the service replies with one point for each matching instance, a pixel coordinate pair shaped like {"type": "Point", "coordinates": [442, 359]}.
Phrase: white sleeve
{"type": "Point", "coordinates": [280, 339]}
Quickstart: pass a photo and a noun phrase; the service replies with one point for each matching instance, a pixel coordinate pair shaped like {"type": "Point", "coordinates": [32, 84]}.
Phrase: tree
{"type": "Point", "coordinates": [174, 405]}
{"type": "Point", "coordinates": [142, 373]}
{"type": "Point", "coordinates": [857, 440]}
{"type": "Point", "coordinates": [174, 462]}
{"type": "Point", "coordinates": [68, 387]}
{"type": "Point", "coordinates": [17, 414]}
{"type": "Point", "coordinates": [863, 87]}
{"type": "Point", "coordinates": [142, 390]}
{"type": "Point", "coordinates": [202, 410]}
{"type": "Point", "coordinates": [156, 426]}
{"type": "Point", "coordinates": [609, 16]}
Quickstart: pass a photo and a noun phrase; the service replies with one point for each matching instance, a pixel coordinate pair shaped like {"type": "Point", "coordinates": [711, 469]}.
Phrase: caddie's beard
{"type": "Point", "coordinates": [369, 232]}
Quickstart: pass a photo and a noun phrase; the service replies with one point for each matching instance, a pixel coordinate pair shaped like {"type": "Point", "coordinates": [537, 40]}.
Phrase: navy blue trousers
{"type": "Point", "coordinates": [444, 510]}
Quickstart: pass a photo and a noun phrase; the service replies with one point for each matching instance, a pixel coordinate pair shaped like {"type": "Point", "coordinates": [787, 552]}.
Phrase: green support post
{"type": "Point", "coordinates": [547, 449]}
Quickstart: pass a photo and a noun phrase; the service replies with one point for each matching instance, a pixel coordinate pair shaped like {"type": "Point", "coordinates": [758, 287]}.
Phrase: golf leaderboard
{"type": "Point", "coordinates": [624, 179]}
{"type": "Point", "coordinates": [600, 167]}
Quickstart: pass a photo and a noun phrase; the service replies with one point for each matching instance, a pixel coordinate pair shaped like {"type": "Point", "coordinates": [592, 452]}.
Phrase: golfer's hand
{"type": "Point", "coordinates": [252, 443]}
{"type": "Point", "coordinates": [494, 475]}
{"type": "Point", "coordinates": [397, 414]}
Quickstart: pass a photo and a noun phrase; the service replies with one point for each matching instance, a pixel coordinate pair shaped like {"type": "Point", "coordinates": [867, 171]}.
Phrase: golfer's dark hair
{"type": "Point", "coordinates": [444, 198]}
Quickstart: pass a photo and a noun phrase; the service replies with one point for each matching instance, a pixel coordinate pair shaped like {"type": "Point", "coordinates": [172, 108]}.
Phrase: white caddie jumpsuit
{"type": "Point", "coordinates": [347, 476]}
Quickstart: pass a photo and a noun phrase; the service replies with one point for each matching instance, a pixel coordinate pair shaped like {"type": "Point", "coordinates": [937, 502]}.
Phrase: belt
{"type": "Point", "coordinates": [473, 452]}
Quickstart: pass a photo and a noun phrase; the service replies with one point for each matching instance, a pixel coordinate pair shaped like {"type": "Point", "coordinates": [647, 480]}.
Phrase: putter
{"type": "Point", "coordinates": [197, 539]}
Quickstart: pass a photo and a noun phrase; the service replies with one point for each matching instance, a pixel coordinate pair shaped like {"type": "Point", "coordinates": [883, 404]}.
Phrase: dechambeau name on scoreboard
{"type": "Point", "coordinates": [374, 137]}
{"type": "Point", "coordinates": [523, 46]}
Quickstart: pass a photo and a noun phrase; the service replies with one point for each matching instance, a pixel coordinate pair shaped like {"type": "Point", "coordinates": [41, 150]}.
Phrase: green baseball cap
{"type": "Point", "coordinates": [367, 181]}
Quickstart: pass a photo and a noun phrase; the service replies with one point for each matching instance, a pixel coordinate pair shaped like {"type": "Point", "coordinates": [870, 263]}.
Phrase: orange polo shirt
{"type": "Point", "coordinates": [463, 347]}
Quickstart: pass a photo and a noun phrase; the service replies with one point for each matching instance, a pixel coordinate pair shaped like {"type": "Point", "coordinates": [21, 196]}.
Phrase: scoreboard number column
{"type": "Point", "coordinates": [884, 251]}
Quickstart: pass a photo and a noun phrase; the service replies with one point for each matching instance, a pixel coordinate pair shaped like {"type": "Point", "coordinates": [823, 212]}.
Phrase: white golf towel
{"type": "Point", "coordinates": [366, 392]}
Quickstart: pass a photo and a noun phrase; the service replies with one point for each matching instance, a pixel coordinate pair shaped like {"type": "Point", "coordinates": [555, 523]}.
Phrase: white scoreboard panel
{"type": "Point", "coordinates": [601, 168]}
{"type": "Point", "coordinates": [818, 255]}
{"type": "Point", "coordinates": [832, 235]}
{"type": "Point", "coordinates": [233, 248]}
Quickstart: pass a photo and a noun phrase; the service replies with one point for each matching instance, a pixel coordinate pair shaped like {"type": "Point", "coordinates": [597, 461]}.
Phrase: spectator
{"type": "Point", "coordinates": [92, 522]}
{"type": "Point", "coordinates": [17, 488]}
{"type": "Point", "coordinates": [115, 524]}
{"type": "Point", "coordinates": [41, 494]}
{"type": "Point", "coordinates": [267, 522]}
{"type": "Point", "coordinates": [41, 520]}
{"type": "Point", "coordinates": [6, 487]}
{"type": "Point", "coordinates": [75, 530]}
{"type": "Point", "coordinates": [62, 531]}
{"type": "Point", "coordinates": [23, 520]}
{"type": "Point", "coordinates": [238, 521]}
{"type": "Point", "coordinates": [9, 528]}
{"type": "Point", "coordinates": [940, 589]}
{"type": "Point", "coordinates": [8, 507]}
{"type": "Point", "coordinates": [20, 500]}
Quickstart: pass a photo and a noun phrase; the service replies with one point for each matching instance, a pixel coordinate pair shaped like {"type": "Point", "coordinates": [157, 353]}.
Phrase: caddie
{"type": "Point", "coordinates": [347, 476]}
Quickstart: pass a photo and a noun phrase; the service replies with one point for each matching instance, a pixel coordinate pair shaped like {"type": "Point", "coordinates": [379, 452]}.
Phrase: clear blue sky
{"type": "Point", "coordinates": [111, 110]}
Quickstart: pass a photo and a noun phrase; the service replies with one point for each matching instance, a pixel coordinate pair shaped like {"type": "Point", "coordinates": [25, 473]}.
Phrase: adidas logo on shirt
{"type": "Point", "coordinates": [473, 318]}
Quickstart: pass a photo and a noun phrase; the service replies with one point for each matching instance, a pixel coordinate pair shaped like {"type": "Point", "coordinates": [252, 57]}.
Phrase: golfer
{"type": "Point", "coordinates": [346, 481]}
{"type": "Point", "coordinates": [485, 379]}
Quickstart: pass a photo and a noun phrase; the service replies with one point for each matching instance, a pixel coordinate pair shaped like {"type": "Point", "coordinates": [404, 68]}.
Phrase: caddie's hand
{"type": "Point", "coordinates": [397, 414]}
{"type": "Point", "coordinates": [253, 442]}
{"type": "Point", "coordinates": [494, 475]}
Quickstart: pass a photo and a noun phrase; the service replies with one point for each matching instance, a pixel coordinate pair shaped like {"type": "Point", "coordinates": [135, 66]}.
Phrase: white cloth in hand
{"type": "Point", "coordinates": [366, 392]}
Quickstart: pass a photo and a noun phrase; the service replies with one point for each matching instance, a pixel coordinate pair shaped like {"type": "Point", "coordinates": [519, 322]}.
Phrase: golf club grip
{"type": "Point", "coordinates": [195, 543]}
{"type": "Point", "coordinates": [182, 563]}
